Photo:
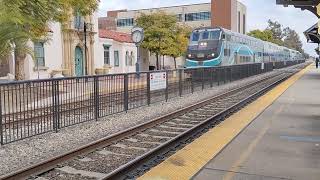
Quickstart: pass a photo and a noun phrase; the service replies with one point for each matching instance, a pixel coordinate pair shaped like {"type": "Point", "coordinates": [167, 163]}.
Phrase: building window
{"type": "Point", "coordinates": [179, 17]}
{"type": "Point", "coordinates": [132, 58]}
{"type": "Point", "coordinates": [239, 22]}
{"type": "Point", "coordinates": [127, 58]}
{"type": "Point", "coordinates": [78, 21]}
{"type": "Point", "coordinates": [125, 22]}
{"type": "Point", "coordinates": [200, 16]}
{"type": "Point", "coordinates": [244, 24]}
{"type": "Point", "coordinates": [116, 59]}
{"type": "Point", "coordinates": [39, 54]}
{"type": "Point", "coordinates": [106, 54]}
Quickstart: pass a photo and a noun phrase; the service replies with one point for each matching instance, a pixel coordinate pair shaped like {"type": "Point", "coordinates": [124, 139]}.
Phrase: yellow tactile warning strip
{"type": "Point", "coordinates": [188, 161]}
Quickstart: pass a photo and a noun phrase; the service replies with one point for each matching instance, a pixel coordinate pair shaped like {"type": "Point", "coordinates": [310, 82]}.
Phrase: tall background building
{"type": "Point", "coordinates": [229, 14]}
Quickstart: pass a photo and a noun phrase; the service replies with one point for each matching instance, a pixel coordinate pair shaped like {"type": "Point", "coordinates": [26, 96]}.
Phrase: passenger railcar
{"type": "Point", "coordinates": [210, 47]}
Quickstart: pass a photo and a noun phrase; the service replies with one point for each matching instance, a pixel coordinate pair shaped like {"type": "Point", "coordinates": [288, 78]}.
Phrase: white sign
{"type": "Point", "coordinates": [158, 81]}
{"type": "Point", "coordinates": [262, 66]}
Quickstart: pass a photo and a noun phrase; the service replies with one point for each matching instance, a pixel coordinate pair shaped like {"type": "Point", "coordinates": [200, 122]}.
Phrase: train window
{"type": "Point", "coordinates": [195, 36]}
{"type": "Point", "coordinates": [205, 35]}
{"type": "Point", "coordinates": [227, 52]}
{"type": "Point", "coordinates": [228, 37]}
{"type": "Point", "coordinates": [216, 35]}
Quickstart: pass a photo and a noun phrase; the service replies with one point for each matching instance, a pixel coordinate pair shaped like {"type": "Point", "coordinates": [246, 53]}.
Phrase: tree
{"type": "Point", "coordinates": [265, 35]}
{"type": "Point", "coordinates": [284, 37]}
{"type": "Point", "coordinates": [292, 39]}
{"type": "Point", "coordinates": [23, 21]}
{"type": "Point", "coordinates": [276, 29]}
{"type": "Point", "coordinates": [179, 44]}
{"type": "Point", "coordinates": [159, 32]}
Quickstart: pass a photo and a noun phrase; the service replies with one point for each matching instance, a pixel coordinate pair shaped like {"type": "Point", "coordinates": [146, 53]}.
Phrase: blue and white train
{"type": "Point", "coordinates": [211, 47]}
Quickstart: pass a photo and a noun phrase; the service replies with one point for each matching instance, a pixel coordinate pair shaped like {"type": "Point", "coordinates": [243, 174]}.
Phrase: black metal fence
{"type": "Point", "coordinates": [30, 108]}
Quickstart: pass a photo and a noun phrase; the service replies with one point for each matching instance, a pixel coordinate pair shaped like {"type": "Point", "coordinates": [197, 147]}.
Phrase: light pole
{"type": "Point", "coordinates": [137, 34]}
{"type": "Point", "coordinates": [85, 47]}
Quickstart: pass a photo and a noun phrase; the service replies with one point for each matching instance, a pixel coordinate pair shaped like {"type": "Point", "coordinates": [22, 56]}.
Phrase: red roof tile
{"type": "Point", "coordinates": [117, 36]}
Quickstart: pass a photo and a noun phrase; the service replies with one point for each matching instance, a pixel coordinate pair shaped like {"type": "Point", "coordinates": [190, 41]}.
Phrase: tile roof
{"type": "Point", "coordinates": [117, 36]}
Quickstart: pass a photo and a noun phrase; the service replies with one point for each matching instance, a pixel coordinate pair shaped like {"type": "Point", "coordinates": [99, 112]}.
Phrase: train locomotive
{"type": "Point", "coordinates": [210, 47]}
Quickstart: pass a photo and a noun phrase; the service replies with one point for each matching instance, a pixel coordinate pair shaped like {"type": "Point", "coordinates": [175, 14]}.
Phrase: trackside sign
{"type": "Point", "coordinates": [158, 81]}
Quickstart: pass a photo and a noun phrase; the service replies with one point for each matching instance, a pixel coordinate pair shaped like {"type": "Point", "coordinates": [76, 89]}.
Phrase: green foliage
{"type": "Point", "coordinates": [283, 37]}
{"type": "Point", "coordinates": [163, 36]}
{"type": "Point", "coordinates": [25, 20]}
{"type": "Point", "coordinates": [265, 35]}
{"type": "Point", "coordinates": [276, 29]}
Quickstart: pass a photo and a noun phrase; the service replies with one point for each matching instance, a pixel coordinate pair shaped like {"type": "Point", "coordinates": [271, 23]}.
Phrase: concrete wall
{"type": "Point", "coordinates": [226, 14]}
{"type": "Point", "coordinates": [116, 46]}
{"type": "Point", "coordinates": [53, 56]}
{"type": "Point", "coordinates": [174, 10]}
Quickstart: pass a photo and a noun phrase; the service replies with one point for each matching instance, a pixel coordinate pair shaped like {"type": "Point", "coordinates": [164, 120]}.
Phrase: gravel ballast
{"type": "Point", "coordinates": [24, 153]}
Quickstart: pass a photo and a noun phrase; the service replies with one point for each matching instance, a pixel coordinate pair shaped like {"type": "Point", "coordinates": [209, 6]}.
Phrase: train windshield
{"type": "Point", "coordinates": [195, 36]}
{"type": "Point", "coordinates": [211, 34]}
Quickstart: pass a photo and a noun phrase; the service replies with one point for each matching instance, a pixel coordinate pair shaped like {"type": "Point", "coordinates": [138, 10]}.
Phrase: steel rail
{"type": "Point", "coordinates": [51, 163]}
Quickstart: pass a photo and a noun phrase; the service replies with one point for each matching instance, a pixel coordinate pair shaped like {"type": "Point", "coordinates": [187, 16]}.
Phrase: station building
{"type": "Point", "coordinates": [109, 46]}
{"type": "Point", "coordinates": [230, 14]}
{"type": "Point", "coordinates": [64, 55]}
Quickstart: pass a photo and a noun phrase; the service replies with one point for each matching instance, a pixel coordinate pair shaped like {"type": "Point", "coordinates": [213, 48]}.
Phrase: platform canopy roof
{"type": "Point", "coordinates": [310, 5]}
{"type": "Point", "coordinates": [312, 34]}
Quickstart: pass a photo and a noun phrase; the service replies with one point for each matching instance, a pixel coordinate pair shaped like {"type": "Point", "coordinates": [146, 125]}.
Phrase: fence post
{"type": "Point", "coordinates": [192, 84]}
{"type": "Point", "coordinates": [55, 104]}
{"type": "Point", "coordinates": [231, 74]}
{"type": "Point", "coordinates": [167, 88]}
{"type": "Point", "coordinates": [218, 76]}
{"type": "Point", "coordinates": [202, 78]}
{"type": "Point", "coordinates": [180, 82]}
{"type": "Point", "coordinates": [148, 89]}
{"type": "Point", "coordinates": [96, 98]}
{"type": "Point", "coordinates": [1, 125]}
{"type": "Point", "coordinates": [225, 75]}
{"type": "Point", "coordinates": [126, 93]}
{"type": "Point", "coordinates": [211, 77]}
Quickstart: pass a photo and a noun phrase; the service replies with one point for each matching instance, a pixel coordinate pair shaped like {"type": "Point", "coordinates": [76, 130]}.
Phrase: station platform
{"type": "Point", "coordinates": [276, 137]}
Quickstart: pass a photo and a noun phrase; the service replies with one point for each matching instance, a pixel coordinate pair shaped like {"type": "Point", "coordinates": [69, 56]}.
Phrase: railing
{"type": "Point", "coordinates": [30, 108]}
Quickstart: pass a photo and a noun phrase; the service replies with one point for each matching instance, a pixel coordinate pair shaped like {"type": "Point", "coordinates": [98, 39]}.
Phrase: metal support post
{"type": "Point", "coordinates": [231, 74]}
{"type": "Point", "coordinates": [148, 89]}
{"type": "Point", "coordinates": [180, 82]}
{"type": "Point", "coordinates": [167, 86]}
{"type": "Point", "coordinates": [55, 106]}
{"type": "Point", "coordinates": [225, 75]}
{"type": "Point", "coordinates": [202, 78]}
{"type": "Point", "coordinates": [211, 77]}
{"type": "Point", "coordinates": [1, 125]}
{"type": "Point", "coordinates": [85, 47]}
{"type": "Point", "coordinates": [96, 98]}
{"type": "Point", "coordinates": [126, 93]}
{"type": "Point", "coordinates": [138, 61]}
{"type": "Point", "coordinates": [218, 76]}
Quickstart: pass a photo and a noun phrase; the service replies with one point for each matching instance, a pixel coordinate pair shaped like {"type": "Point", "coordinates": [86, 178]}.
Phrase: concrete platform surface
{"type": "Point", "coordinates": [282, 143]}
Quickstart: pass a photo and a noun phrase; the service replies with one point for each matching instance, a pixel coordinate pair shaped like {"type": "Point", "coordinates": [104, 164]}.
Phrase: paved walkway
{"type": "Point", "coordinates": [282, 143]}
{"type": "Point", "coordinates": [276, 137]}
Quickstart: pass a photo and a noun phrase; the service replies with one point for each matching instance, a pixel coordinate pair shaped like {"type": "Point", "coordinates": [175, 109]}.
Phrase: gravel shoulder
{"type": "Point", "coordinates": [31, 151]}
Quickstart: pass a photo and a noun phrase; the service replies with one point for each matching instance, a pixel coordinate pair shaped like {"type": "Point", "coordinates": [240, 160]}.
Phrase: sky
{"type": "Point", "coordinates": [259, 11]}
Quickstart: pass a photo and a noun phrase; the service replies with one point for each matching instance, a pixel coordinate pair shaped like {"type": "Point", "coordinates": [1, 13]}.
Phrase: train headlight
{"type": "Point", "coordinates": [189, 55]}
{"type": "Point", "coordinates": [212, 54]}
{"type": "Point", "coordinates": [204, 44]}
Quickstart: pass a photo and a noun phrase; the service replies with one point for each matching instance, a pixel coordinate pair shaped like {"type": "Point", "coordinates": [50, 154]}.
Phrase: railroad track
{"type": "Point", "coordinates": [116, 156]}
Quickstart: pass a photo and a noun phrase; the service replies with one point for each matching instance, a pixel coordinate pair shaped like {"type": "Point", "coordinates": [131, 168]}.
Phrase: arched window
{"type": "Point", "coordinates": [132, 58]}
{"type": "Point", "coordinates": [127, 58]}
